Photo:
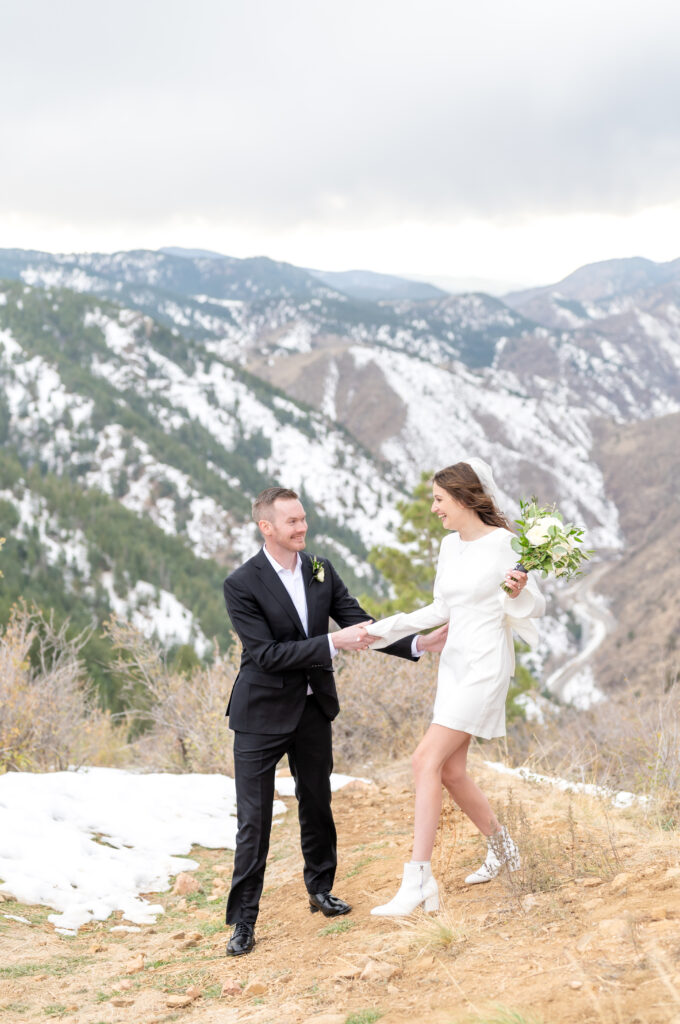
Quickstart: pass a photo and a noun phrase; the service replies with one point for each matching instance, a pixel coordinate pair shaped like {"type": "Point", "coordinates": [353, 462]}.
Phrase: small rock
{"type": "Point", "coordinates": [194, 991]}
{"type": "Point", "coordinates": [669, 878]}
{"type": "Point", "coordinates": [230, 988]}
{"type": "Point", "coordinates": [590, 883]}
{"type": "Point", "coordinates": [136, 964]}
{"type": "Point", "coordinates": [529, 902]}
{"type": "Point", "coordinates": [614, 927]}
{"type": "Point", "coordinates": [97, 947]}
{"type": "Point", "coordinates": [119, 1001]}
{"type": "Point", "coordinates": [188, 944]}
{"type": "Point", "coordinates": [203, 915]}
{"type": "Point", "coordinates": [255, 988]}
{"type": "Point", "coordinates": [621, 881]}
{"type": "Point", "coordinates": [178, 935]}
{"type": "Point", "coordinates": [376, 971]}
{"type": "Point", "coordinates": [125, 984]}
{"type": "Point", "coordinates": [401, 945]}
{"type": "Point", "coordinates": [176, 1002]}
{"type": "Point", "coordinates": [425, 963]}
{"type": "Point", "coordinates": [575, 984]}
{"type": "Point", "coordinates": [73, 1008]}
{"type": "Point", "coordinates": [347, 973]}
{"type": "Point", "coordinates": [593, 903]}
{"type": "Point", "coordinates": [185, 884]}
{"type": "Point", "coordinates": [392, 990]}
{"type": "Point", "coordinates": [582, 944]}
{"type": "Point", "coordinates": [222, 869]}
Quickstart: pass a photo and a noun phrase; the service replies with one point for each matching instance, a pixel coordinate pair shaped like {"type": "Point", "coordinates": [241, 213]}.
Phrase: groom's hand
{"type": "Point", "coordinates": [352, 638]}
{"type": "Point", "coordinates": [434, 641]}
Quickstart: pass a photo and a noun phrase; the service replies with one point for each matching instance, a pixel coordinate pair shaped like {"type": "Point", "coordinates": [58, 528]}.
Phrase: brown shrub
{"type": "Point", "coordinates": [631, 742]}
{"type": "Point", "coordinates": [49, 718]}
{"type": "Point", "coordinates": [178, 717]}
{"type": "Point", "coordinates": [386, 706]}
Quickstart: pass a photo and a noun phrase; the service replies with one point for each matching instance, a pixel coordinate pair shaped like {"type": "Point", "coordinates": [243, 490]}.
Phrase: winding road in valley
{"type": "Point", "coordinates": [595, 621]}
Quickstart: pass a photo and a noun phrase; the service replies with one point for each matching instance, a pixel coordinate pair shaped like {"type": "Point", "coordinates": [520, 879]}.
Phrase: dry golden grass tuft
{"type": "Point", "coordinates": [49, 716]}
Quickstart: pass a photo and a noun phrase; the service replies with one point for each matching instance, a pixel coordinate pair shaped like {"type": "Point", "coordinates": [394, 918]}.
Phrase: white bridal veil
{"type": "Point", "coordinates": [485, 474]}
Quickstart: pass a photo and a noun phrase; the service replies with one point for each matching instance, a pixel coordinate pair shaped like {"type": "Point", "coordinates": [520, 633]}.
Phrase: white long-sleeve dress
{"type": "Point", "coordinates": [478, 659]}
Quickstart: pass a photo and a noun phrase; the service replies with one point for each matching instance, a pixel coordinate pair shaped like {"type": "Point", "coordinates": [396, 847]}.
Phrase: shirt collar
{"type": "Point", "coordinates": [277, 567]}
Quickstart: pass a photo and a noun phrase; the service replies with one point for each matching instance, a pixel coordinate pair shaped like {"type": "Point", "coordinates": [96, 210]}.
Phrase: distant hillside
{"type": "Point", "coordinates": [641, 465]}
{"type": "Point", "coordinates": [365, 284]}
{"type": "Point", "coordinates": [179, 383]}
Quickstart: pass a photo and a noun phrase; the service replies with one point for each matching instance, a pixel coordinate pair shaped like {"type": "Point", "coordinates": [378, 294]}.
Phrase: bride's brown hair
{"type": "Point", "coordinates": [463, 484]}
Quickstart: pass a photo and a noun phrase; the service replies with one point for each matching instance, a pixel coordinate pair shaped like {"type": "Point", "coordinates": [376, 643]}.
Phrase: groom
{"type": "Point", "coordinates": [284, 699]}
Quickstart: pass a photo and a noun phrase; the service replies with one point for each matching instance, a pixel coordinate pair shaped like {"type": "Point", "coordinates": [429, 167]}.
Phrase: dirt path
{"type": "Point", "coordinates": [588, 931]}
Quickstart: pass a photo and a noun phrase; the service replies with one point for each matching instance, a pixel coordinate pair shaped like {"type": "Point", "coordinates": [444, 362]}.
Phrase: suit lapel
{"type": "Point", "coordinates": [271, 580]}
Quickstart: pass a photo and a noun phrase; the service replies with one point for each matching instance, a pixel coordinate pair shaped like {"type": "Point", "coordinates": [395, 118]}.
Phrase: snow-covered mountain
{"type": "Point", "coordinates": [177, 385]}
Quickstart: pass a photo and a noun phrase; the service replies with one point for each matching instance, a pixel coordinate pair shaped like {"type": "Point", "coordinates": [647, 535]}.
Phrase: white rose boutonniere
{"type": "Point", "coordinates": [318, 570]}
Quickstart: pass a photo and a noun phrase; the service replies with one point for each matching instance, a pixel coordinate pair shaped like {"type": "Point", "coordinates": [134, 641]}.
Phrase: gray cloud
{"type": "Point", "coordinates": [274, 112]}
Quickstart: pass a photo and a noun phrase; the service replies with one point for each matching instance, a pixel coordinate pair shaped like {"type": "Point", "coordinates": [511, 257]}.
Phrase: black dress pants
{"type": "Point", "coordinates": [310, 756]}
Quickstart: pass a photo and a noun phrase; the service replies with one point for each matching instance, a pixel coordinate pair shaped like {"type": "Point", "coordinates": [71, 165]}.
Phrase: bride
{"type": "Point", "coordinates": [475, 667]}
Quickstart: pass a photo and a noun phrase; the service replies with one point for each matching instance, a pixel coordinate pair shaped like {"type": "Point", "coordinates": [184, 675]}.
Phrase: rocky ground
{"type": "Point", "coordinates": [588, 931]}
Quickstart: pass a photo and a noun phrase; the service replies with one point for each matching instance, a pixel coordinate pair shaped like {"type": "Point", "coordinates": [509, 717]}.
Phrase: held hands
{"type": "Point", "coordinates": [353, 638]}
{"type": "Point", "coordinates": [434, 641]}
{"type": "Point", "coordinates": [516, 580]}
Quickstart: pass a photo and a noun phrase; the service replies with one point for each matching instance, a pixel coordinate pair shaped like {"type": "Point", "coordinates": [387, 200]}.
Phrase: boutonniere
{"type": "Point", "coordinates": [318, 571]}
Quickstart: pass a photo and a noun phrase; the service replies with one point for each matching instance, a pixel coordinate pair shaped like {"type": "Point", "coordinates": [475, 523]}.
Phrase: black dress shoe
{"type": "Point", "coordinates": [328, 904]}
{"type": "Point", "coordinates": [242, 941]}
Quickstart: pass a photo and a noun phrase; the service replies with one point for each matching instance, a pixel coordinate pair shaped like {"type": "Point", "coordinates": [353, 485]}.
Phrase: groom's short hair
{"type": "Point", "coordinates": [264, 502]}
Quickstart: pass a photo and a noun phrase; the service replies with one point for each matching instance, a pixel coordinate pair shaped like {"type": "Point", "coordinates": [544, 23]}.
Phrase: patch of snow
{"type": "Point", "coordinates": [620, 799]}
{"type": "Point", "coordinates": [111, 835]}
{"type": "Point", "coordinates": [87, 843]}
{"type": "Point", "coordinates": [285, 784]}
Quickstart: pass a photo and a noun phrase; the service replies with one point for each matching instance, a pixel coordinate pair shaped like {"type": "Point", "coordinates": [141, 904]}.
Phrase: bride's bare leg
{"type": "Point", "coordinates": [435, 750]}
{"type": "Point", "coordinates": [467, 793]}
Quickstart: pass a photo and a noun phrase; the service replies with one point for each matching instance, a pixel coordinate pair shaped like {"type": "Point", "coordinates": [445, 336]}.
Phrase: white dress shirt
{"type": "Point", "coordinates": [294, 582]}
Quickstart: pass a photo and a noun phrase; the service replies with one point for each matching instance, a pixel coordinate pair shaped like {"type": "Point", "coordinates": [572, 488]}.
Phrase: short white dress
{"type": "Point", "coordinates": [478, 660]}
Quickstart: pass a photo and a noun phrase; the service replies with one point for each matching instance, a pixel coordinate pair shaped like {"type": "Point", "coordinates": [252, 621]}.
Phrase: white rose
{"type": "Point", "coordinates": [538, 533]}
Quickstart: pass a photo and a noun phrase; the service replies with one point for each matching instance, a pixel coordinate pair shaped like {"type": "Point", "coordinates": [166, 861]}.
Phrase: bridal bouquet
{"type": "Point", "coordinates": [547, 543]}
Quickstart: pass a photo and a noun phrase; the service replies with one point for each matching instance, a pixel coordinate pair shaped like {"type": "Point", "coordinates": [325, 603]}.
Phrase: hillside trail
{"type": "Point", "coordinates": [595, 620]}
{"type": "Point", "coordinates": [587, 931]}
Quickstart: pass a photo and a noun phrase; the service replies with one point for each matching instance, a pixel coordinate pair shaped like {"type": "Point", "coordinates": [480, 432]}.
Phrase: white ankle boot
{"type": "Point", "coordinates": [417, 886]}
{"type": "Point", "coordinates": [502, 852]}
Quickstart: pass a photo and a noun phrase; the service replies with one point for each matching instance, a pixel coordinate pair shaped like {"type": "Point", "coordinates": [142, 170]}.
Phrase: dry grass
{"type": "Point", "coordinates": [386, 706]}
{"type": "Point", "coordinates": [178, 716]}
{"type": "Point", "coordinates": [631, 743]}
{"type": "Point", "coordinates": [49, 717]}
{"type": "Point", "coordinates": [575, 847]}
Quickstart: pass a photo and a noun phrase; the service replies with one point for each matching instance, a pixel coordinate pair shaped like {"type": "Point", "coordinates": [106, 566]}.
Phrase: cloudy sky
{"type": "Point", "coordinates": [505, 140]}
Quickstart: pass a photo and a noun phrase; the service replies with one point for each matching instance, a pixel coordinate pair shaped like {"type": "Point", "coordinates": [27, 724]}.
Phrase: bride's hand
{"type": "Point", "coordinates": [434, 641]}
{"type": "Point", "coordinates": [516, 580]}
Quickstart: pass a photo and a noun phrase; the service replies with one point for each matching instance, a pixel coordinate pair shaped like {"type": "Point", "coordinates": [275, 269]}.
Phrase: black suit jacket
{"type": "Point", "coordinates": [279, 661]}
